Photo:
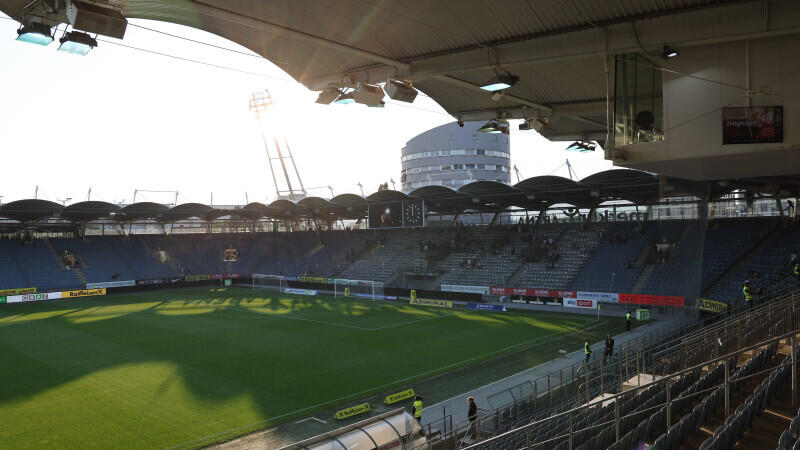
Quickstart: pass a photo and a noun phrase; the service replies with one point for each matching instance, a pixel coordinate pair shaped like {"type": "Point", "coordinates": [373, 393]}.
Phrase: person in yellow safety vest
{"type": "Point", "coordinates": [587, 350]}
{"type": "Point", "coordinates": [418, 408]}
{"type": "Point", "coordinates": [628, 320]}
{"type": "Point", "coordinates": [748, 294]}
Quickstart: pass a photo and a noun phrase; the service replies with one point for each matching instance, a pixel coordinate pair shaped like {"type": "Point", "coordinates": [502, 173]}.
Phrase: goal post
{"type": "Point", "coordinates": [269, 282]}
{"type": "Point", "coordinates": [358, 288]}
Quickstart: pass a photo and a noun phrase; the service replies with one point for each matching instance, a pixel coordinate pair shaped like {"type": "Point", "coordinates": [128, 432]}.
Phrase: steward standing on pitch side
{"type": "Point", "coordinates": [587, 349]}
{"type": "Point", "coordinates": [417, 407]}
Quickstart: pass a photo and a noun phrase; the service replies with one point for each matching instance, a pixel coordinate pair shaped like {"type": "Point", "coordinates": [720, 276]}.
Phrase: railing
{"type": "Point", "coordinates": [526, 433]}
{"type": "Point", "coordinates": [731, 335]}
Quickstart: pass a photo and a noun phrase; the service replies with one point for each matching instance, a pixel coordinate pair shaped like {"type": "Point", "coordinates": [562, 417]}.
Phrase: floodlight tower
{"type": "Point", "coordinates": [260, 103]}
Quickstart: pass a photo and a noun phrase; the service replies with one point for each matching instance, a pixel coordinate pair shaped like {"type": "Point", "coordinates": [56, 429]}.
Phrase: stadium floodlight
{"type": "Point", "coordinates": [400, 91]}
{"type": "Point", "coordinates": [327, 96]}
{"type": "Point", "coordinates": [582, 146]}
{"type": "Point", "coordinates": [345, 99]}
{"type": "Point", "coordinates": [494, 126]}
{"type": "Point", "coordinates": [534, 124]}
{"type": "Point", "coordinates": [368, 94]}
{"type": "Point", "coordinates": [77, 43]}
{"type": "Point", "coordinates": [35, 33]}
{"type": "Point", "coordinates": [499, 82]}
{"type": "Point", "coordinates": [669, 52]}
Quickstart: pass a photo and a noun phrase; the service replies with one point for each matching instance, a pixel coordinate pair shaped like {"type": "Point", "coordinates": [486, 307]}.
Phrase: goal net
{"type": "Point", "coordinates": [271, 282]}
{"type": "Point", "coordinates": [358, 288]}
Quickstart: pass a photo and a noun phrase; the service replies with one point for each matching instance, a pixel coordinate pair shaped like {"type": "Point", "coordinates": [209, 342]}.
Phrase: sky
{"type": "Point", "coordinates": [122, 119]}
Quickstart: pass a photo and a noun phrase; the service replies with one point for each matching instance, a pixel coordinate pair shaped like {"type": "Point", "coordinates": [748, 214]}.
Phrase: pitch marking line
{"type": "Point", "coordinates": [310, 418]}
{"type": "Point", "coordinates": [589, 325]}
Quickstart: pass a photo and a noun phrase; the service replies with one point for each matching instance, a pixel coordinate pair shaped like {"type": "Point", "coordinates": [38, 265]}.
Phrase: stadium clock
{"type": "Point", "coordinates": [412, 214]}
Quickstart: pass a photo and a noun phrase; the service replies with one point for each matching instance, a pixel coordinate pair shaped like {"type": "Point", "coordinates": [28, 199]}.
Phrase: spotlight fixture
{"type": "Point", "coordinates": [400, 91]}
{"type": "Point", "coordinates": [77, 43]}
{"type": "Point", "coordinates": [582, 146]}
{"type": "Point", "coordinates": [534, 124]}
{"type": "Point", "coordinates": [345, 99]}
{"type": "Point", "coordinates": [669, 52]}
{"type": "Point", "coordinates": [494, 126]}
{"type": "Point", "coordinates": [368, 94]}
{"type": "Point", "coordinates": [327, 96]}
{"type": "Point", "coordinates": [499, 82]}
{"type": "Point", "coordinates": [35, 33]}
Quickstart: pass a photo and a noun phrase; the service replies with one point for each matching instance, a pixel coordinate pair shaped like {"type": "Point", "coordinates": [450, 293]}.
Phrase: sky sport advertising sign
{"type": "Point", "coordinates": [752, 125]}
{"type": "Point", "coordinates": [578, 303]}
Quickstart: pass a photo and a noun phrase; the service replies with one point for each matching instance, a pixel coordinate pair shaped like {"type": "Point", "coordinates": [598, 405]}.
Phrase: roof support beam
{"type": "Point", "coordinates": [207, 9]}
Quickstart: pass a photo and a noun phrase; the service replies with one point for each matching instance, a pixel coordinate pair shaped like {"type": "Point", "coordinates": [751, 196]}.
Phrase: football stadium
{"type": "Point", "coordinates": [653, 302]}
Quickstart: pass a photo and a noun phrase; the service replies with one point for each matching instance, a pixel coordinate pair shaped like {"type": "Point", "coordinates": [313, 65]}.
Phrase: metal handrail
{"type": "Point", "coordinates": [663, 380]}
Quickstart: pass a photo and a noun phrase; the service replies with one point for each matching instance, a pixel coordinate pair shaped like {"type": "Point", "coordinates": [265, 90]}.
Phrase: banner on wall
{"type": "Point", "coordinates": [486, 307]}
{"type": "Point", "coordinates": [314, 279]}
{"type": "Point", "coordinates": [83, 293]}
{"type": "Point", "coordinates": [602, 297]}
{"type": "Point", "coordinates": [579, 303]}
{"type": "Point", "coordinates": [706, 304]}
{"type": "Point", "coordinates": [430, 302]}
{"type": "Point", "coordinates": [20, 291]}
{"type": "Point", "coordinates": [197, 277]}
{"type": "Point", "coordinates": [653, 300]}
{"type": "Point", "coordinates": [465, 288]}
{"type": "Point", "coordinates": [110, 284]}
{"type": "Point", "coordinates": [151, 281]}
{"type": "Point", "coordinates": [33, 297]}
{"type": "Point", "coordinates": [496, 290]}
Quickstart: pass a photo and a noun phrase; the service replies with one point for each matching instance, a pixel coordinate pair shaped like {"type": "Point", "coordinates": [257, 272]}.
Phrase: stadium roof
{"type": "Point", "coordinates": [536, 194]}
{"type": "Point", "coordinates": [557, 48]}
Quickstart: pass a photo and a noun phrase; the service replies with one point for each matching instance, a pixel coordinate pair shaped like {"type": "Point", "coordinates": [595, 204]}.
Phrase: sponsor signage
{"type": "Point", "coordinates": [300, 291]}
{"type": "Point", "coordinates": [752, 124]}
{"type": "Point", "coordinates": [495, 290]}
{"type": "Point", "coordinates": [464, 288]}
{"type": "Point", "coordinates": [705, 304]}
{"type": "Point", "coordinates": [352, 411]}
{"type": "Point", "coordinates": [20, 291]}
{"type": "Point", "coordinates": [226, 275]}
{"type": "Point", "coordinates": [151, 281]}
{"type": "Point", "coordinates": [83, 293]}
{"type": "Point", "coordinates": [110, 284]}
{"type": "Point", "coordinates": [655, 300]}
{"type": "Point", "coordinates": [394, 398]}
{"type": "Point", "coordinates": [197, 277]}
{"type": "Point", "coordinates": [2, 299]}
{"type": "Point", "coordinates": [609, 297]}
{"type": "Point", "coordinates": [314, 279]}
{"type": "Point", "coordinates": [486, 307]}
{"type": "Point", "coordinates": [429, 302]}
{"type": "Point", "coordinates": [33, 297]}
{"type": "Point", "coordinates": [579, 303]}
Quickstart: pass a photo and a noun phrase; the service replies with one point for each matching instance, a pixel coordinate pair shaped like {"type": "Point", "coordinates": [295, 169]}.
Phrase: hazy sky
{"type": "Point", "coordinates": [120, 119]}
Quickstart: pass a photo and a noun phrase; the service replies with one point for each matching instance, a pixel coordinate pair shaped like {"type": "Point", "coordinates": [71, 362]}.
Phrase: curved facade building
{"type": "Point", "coordinates": [453, 156]}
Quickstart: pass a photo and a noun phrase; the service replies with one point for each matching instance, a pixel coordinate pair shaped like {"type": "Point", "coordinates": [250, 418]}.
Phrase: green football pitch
{"type": "Point", "coordinates": [193, 366]}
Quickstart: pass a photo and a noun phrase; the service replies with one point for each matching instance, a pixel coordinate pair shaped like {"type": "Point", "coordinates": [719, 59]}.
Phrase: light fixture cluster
{"type": "Point", "coordinates": [39, 33]}
{"type": "Point", "coordinates": [369, 94]}
{"type": "Point", "coordinates": [582, 146]}
{"type": "Point", "coordinates": [494, 126]}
